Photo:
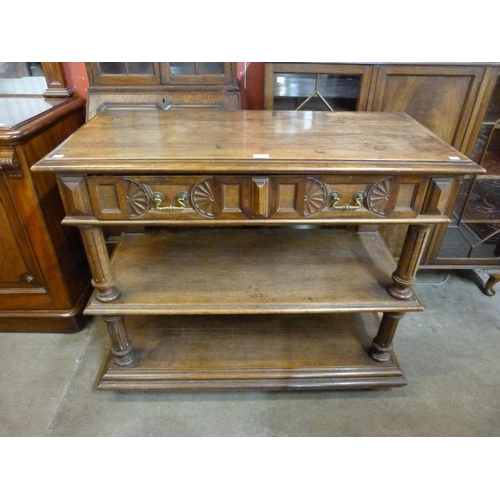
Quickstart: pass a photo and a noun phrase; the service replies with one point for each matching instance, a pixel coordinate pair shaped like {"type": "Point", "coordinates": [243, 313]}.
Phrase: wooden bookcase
{"type": "Point", "coordinates": [164, 85]}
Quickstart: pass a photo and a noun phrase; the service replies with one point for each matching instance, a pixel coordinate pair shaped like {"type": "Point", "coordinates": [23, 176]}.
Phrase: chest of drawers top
{"type": "Point", "coordinates": [189, 141]}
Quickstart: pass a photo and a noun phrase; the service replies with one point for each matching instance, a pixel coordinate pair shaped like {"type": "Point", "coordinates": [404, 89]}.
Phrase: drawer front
{"type": "Point", "coordinates": [255, 197]}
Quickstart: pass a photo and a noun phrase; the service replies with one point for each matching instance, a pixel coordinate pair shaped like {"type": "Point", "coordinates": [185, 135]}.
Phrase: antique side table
{"type": "Point", "coordinates": [256, 263]}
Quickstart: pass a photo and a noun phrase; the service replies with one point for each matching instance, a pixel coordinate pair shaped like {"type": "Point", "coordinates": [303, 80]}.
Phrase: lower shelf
{"type": "Point", "coordinates": [261, 352]}
{"type": "Point", "coordinates": [252, 271]}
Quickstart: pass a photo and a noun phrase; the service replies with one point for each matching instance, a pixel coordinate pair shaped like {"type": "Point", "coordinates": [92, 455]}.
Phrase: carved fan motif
{"type": "Point", "coordinates": [378, 196]}
{"type": "Point", "coordinates": [137, 198]}
{"type": "Point", "coordinates": [202, 197]}
{"type": "Point", "coordinates": [314, 197]}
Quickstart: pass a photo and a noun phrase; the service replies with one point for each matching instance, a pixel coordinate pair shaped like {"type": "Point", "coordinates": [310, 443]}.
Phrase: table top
{"type": "Point", "coordinates": [239, 142]}
{"type": "Point", "coordinates": [23, 117]}
{"type": "Point", "coordinates": [16, 111]}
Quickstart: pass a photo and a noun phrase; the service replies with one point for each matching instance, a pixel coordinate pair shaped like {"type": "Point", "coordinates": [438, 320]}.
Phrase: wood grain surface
{"type": "Point", "coordinates": [188, 141]}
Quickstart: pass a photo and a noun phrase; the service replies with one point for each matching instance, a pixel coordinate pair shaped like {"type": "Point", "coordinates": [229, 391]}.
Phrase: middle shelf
{"type": "Point", "coordinates": [252, 271]}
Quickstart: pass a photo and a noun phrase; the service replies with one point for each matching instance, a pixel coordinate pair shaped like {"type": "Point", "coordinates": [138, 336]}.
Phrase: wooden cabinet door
{"type": "Point", "coordinates": [440, 97]}
{"type": "Point", "coordinates": [18, 266]}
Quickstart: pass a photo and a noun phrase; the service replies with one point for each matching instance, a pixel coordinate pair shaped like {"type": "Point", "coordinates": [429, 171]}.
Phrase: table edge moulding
{"type": "Point", "coordinates": [259, 264]}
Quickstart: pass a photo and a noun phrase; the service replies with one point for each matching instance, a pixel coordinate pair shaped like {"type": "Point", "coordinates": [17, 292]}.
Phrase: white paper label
{"type": "Point", "coordinates": [258, 155]}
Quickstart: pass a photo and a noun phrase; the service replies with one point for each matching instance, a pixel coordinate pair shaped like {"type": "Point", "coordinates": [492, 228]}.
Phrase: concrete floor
{"type": "Point", "coordinates": [450, 355]}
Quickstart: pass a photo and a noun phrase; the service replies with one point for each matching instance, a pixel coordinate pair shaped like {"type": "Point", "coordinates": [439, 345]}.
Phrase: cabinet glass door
{"type": "Point", "coordinates": [197, 73]}
{"type": "Point", "coordinates": [316, 92]}
{"type": "Point", "coordinates": [316, 86]}
{"type": "Point", "coordinates": [474, 233]}
{"type": "Point", "coordinates": [124, 73]}
{"type": "Point", "coordinates": [193, 68]}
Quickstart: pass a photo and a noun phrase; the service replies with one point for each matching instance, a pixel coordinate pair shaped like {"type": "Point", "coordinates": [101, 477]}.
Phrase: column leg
{"type": "Point", "coordinates": [97, 254]}
{"type": "Point", "coordinates": [382, 343]}
{"type": "Point", "coordinates": [121, 347]}
{"type": "Point", "coordinates": [403, 277]}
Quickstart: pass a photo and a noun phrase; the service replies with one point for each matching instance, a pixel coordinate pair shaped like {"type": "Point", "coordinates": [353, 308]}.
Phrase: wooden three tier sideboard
{"type": "Point", "coordinates": [260, 266]}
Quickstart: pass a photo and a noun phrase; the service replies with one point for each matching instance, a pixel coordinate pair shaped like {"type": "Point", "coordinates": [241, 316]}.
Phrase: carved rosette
{"type": "Point", "coordinates": [137, 198]}
{"type": "Point", "coordinates": [202, 197]}
{"type": "Point", "coordinates": [315, 196]}
{"type": "Point", "coordinates": [378, 197]}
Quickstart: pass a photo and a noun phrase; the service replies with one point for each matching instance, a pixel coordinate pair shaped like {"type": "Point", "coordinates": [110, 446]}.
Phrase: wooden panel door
{"type": "Point", "coordinates": [438, 96]}
{"type": "Point", "coordinates": [18, 266]}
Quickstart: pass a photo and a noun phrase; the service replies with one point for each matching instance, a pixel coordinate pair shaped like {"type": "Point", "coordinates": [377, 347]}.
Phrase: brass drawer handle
{"type": "Point", "coordinates": [182, 199]}
{"type": "Point", "coordinates": [334, 198]}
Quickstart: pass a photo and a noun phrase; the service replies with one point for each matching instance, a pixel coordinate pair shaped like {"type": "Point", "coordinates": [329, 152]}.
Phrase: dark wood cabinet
{"type": "Point", "coordinates": [164, 85]}
{"type": "Point", "coordinates": [440, 97]}
{"type": "Point", "coordinates": [43, 271]}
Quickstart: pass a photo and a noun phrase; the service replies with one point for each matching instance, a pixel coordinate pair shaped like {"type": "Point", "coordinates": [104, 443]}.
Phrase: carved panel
{"type": "Point", "coordinates": [231, 197]}
{"type": "Point", "coordinates": [244, 197]}
{"type": "Point", "coordinates": [260, 197]}
{"type": "Point", "coordinates": [442, 191]}
{"type": "Point", "coordinates": [75, 196]}
{"type": "Point", "coordinates": [315, 196]}
{"type": "Point", "coordinates": [137, 197]}
{"type": "Point", "coordinates": [107, 194]}
{"type": "Point", "coordinates": [287, 194]}
{"type": "Point", "coordinates": [202, 197]}
{"type": "Point", "coordinates": [381, 197]}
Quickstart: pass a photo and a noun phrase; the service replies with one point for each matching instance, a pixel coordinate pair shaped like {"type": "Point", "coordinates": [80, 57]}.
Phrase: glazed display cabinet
{"type": "Point", "coordinates": [318, 87]}
{"type": "Point", "coordinates": [473, 235]}
{"type": "Point", "coordinates": [460, 103]}
{"type": "Point", "coordinates": [164, 85]}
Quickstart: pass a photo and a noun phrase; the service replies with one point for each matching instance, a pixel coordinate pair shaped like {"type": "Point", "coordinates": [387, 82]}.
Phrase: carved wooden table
{"type": "Point", "coordinates": [257, 263]}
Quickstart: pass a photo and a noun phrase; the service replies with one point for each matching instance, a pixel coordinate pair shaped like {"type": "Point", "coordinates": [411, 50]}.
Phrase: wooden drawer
{"type": "Point", "coordinates": [255, 197]}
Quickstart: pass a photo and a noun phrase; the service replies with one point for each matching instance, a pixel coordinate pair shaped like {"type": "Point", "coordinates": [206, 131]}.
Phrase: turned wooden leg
{"type": "Point", "coordinates": [382, 343]}
{"type": "Point", "coordinates": [121, 347]}
{"type": "Point", "coordinates": [490, 283]}
{"type": "Point", "coordinates": [97, 254]}
{"type": "Point", "coordinates": [403, 277]}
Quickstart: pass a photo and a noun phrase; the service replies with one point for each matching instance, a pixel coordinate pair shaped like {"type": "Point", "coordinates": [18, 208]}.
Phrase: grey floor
{"type": "Point", "coordinates": [450, 355]}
